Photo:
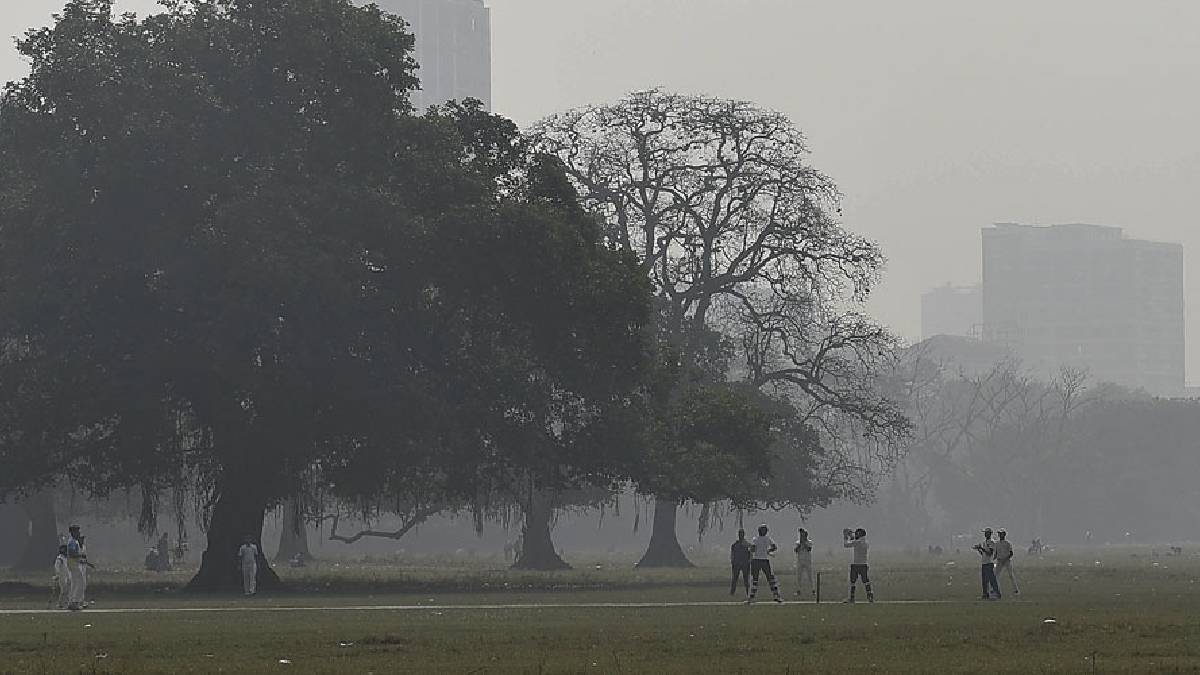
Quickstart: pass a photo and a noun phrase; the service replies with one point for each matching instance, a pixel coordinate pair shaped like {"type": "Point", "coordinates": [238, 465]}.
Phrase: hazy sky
{"type": "Point", "coordinates": [936, 117]}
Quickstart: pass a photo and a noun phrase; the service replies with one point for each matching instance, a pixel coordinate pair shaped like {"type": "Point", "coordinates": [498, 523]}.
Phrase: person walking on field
{"type": "Point", "coordinates": [859, 568]}
{"type": "Point", "coordinates": [804, 572]}
{"type": "Point", "coordinates": [75, 563]}
{"type": "Point", "coordinates": [62, 577]}
{"type": "Point", "coordinates": [739, 560]}
{"type": "Point", "coordinates": [987, 551]}
{"type": "Point", "coordinates": [762, 549]}
{"type": "Point", "coordinates": [248, 556]}
{"type": "Point", "coordinates": [1004, 557]}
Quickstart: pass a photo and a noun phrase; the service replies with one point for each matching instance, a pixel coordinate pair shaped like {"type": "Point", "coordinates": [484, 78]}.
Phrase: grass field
{"type": "Point", "coordinates": [1114, 611]}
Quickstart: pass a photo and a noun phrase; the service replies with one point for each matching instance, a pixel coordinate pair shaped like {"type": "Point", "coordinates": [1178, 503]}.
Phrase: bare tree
{"type": "Point", "coordinates": [738, 233]}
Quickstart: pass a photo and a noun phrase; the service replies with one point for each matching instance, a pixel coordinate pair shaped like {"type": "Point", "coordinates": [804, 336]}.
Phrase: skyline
{"type": "Point", "coordinates": [936, 119]}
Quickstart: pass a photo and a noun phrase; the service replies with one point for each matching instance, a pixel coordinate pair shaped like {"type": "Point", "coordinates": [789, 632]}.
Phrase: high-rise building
{"type": "Point", "coordinates": [952, 310]}
{"type": "Point", "coordinates": [454, 48]}
{"type": "Point", "coordinates": [1087, 296]}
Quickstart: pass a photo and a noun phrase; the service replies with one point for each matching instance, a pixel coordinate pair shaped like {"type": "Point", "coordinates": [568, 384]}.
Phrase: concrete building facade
{"type": "Point", "coordinates": [1087, 296]}
{"type": "Point", "coordinates": [454, 49]}
{"type": "Point", "coordinates": [952, 310]}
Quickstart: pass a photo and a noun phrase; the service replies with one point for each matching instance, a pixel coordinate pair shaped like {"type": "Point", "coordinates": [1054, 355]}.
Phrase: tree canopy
{"type": "Point", "coordinates": [229, 252]}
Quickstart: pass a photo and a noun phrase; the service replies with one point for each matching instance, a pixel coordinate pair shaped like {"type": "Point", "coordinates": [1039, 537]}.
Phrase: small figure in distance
{"type": "Point", "coordinates": [739, 561]}
{"type": "Point", "coordinates": [62, 577]}
{"type": "Point", "coordinates": [762, 549]}
{"type": "Point", "coordinates": [164, 554]}
{"type": "Point", "coordinates": [248, 556]}
{"type": "Point", "coordinates": [298, 560]}
{"type": "Point", "coordinates": [1004, 558]}
{"type": "Point", "coordinates": [987, 551]}
{"type": "Point", "coordinates": [859, 567]}
{"type": "Point", "coordinates": [151, 560]}
{"type": "Point", "coordinates": [804, 572]}
{"type": "Point", "coordinates": [75, 568]}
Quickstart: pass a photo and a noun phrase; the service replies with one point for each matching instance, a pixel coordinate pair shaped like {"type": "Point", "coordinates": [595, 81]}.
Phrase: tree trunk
{"type": "Point", "coordinates": [14, 533]}
{"type": "Point", "coordinates": [664, 549]}
{"type": "Point", "coordinates": [537, 548]}
{"type": "Point", "coordinates": [293, 534]}
{"type": "Point", "coordinates": [42, 544]}
{"type": "Point", "coordinates": [237, 515]}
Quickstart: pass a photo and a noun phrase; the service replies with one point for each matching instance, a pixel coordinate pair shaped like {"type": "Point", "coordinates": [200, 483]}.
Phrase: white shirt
{"type": "Point", "coordinates": [987, 551]}
{"type": "Point", "coordinates": [762, 547]}
{"type": "Point", "coordinates": [248, 554]}
{"type": "Point", "coordinates": [60, 567]}
{"type": "Point", "coordinates": [860, 547]}
{"type": "Point", "coordinates": [1004, 551]}
{"type": "Point", "coordinates": [803, 550]}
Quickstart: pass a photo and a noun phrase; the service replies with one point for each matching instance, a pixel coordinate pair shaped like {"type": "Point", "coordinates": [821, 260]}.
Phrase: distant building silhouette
{"type": "Point", "coordinates": [454, 48]}
{"type": "Point", "coordinates": [952, 310]}
{"type": "Point", "coordinates": [1087, 296]}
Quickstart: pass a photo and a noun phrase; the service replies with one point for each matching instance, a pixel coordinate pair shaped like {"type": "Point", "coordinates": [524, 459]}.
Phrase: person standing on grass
{"type": "Point", "coordinates": [739, 560]}
{"type": "Point", "coordinates": [859, 567]}
{"type": "Point", "coordinates": [987, 551]}
{"type": "Point", "coordinates": [62, 577]}
{"type": "Point", "coordinates": [804, 572]}
{"type": "Point", "coordinates": [1004, 557]}
{"type": "Point", "coordinates": [248, 556]}
{"type": "Point", "coordinates": [761, 551]}
{"type": "Point", "coordinates": [84, 566]}
{"type": "Point", "coordinates": [75, 562]}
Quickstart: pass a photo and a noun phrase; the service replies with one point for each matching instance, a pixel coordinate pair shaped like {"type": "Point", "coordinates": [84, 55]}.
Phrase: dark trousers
{"type": "Point", "coordinates": [861, 572]}
{"type": "Point", "coordinates": [989, 579]}
{"type": "Point", "coordinates": [757, 567]}
{"type": "Point", "coordinates": [742, 571]}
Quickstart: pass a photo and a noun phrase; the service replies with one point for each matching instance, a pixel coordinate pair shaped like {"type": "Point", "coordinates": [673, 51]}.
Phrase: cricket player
{"type": "Point", "coordinates": [75, 564]}
{"type": "Point", "coordinates": [1004, 556]}
{"type": "Point", "coordinates": [987, 551]}
{"type": "Point", "coordinates": [248, 556]}
{"type": "Point", "coordinates": [739, 561]}
{"type": "Point", "coordinates": [761, 550]}
{"type": "Point", "coordinates": [859, 568]}
{"type": "Point", "coordinates": [803, 550]}
{"type": "Point", "coordinates": [62, 577]}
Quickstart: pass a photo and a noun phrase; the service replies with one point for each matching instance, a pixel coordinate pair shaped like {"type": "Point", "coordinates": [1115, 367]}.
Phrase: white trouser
{"type": "Point", "coordinates": [804, 574]}
{"type": "Point", "coordinates": [1006, 567]}
{"type": "Point", "coordinates": [64, 588]}
{"type": "Point", "coordinates": [78, 583]}
{"type": "Point", "coordinates": [250, 578]}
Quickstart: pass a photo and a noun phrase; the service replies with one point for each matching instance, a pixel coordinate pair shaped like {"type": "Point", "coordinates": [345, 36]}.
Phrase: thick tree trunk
{"type": "Point", "coordinates": [293, 534]}
{"type": "Point", "coordinates": [14, 533]}
{"type": "Point", "coordinates": [237, 515]}
{"type": "Point", "coordinates": [537, 548]}
{"type": "Point", "coordinates": [664, 549]}
{"type": "Point", "coordinates": [42, 544]}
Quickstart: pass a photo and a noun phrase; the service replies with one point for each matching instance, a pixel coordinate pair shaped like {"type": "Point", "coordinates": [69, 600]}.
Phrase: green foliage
{"type": "Point", "coordinates": [228, 249]}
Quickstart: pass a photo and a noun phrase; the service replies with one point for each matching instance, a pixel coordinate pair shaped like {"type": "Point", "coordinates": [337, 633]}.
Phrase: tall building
{"type": "Point", "coordinates": [454, 48]}
{"type": "Point", "coordinates": [952, 310]}
{"type": "Point", "coordinates": [1087, 296]}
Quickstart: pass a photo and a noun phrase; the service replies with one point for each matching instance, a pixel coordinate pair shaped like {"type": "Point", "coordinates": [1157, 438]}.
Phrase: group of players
{"type": "Point", "coordinates": [752, 559]}
{"type": "Point", "coordinates": [71, 570]}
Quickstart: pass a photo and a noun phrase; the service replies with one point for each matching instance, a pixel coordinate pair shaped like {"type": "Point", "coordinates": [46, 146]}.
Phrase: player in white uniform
{"type": "Point", "coordinates": [75, 564]}
{"type": "Point", "coordinates": [62, 577]}
{"type": "Point", "coordinates": [859, 568]}
{"type": "Point", "coordinates": [804, 571]}
{"type": "Point", "coordinates": [762, 548]}
{"type": "Point", "coordinates": [1004, 558]}
{"type": "Point", "coordinates": [248, 557]}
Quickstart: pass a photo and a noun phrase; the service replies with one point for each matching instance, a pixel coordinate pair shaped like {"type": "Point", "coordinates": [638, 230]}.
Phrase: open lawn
{"type": "Point", "coordinates": [1133, 614]}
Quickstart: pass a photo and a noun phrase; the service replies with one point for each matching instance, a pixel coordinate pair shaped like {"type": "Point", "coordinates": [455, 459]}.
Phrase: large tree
{"type": "Point", "coordinates": [230, 252]}
{"type": "Point", "coordinates": [739, 236]}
